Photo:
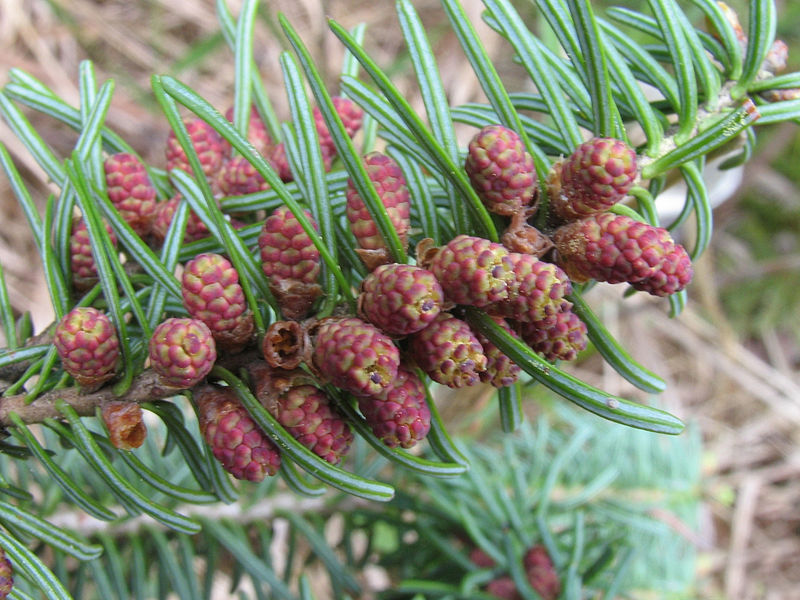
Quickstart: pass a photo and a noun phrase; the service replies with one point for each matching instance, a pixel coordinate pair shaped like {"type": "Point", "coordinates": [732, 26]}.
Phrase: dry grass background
{"type": "Point", "coordinates": [745, 396]}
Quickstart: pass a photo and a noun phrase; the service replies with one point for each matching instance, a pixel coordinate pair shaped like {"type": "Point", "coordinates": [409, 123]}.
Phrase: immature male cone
{"type": "Point", "coordinates": [400, 299]}
{"type": "Point", "coordinates": [81, 259]}
{"type": "Point", "coordinates": [399, 416]}
{"type": "Point", "coordinates": [131, 191]}
{"type": "Point", "coordinates": [236, 441]}
{"type": "Point", "coordinates": [500, 371]}
{"type": "Point", "coordinates": [212, 293]}
{"type": "Point", "coordinates": [471, 270]}
{"type": "Point", "coordinates": [165, 212]}
{"type": "Point", "coordinates": [556, 339]}
{"type": "Point", "coordinates": [306, 412]}
{"type": "Point", "coordinates": [501, 170]}
{"type": "Point", "coordinates": [597, 175]}
{"type": "Point", "coordinates": [537, 290]}
{"type": "Point", "coordinates": [355, 356]}
{"type": "Point", "coordinates": [449, 352]}
{"type": "Point", "coordinates": [617, 249]}
{"type": "Point", "coordinates": [88, 346]}
{"type": "Point", "coordinates": [541, 572]}
{"type": "Point", "coordinates": [257, 133]}
{"type": "Point", "coordinates": [390, 185]}
{"type": "Point", "coordinates": [210, 146]}
{"type": "Point", "coordinates": [182, 352]}
{"type": "Point", "coordinates": [237, 177]}
{"type": "Point", "coordinates": [352, 117]}
{"type": "Point", "coordinates": [291, 261]}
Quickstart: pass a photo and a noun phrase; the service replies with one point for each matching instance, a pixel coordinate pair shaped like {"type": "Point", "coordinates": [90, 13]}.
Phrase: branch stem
{"type": "Point", "coordinates": [145, 388]}
{"type": "Point", "coordinates": [240, 512]}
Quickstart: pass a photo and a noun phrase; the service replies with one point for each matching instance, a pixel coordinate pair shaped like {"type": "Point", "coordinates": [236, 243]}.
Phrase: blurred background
{"type": "Point", "coordinates": [730, 360]}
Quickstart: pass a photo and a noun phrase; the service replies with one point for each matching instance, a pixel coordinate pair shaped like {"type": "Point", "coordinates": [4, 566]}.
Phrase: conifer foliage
{"type": "Point", "coordinates": [334, 267]}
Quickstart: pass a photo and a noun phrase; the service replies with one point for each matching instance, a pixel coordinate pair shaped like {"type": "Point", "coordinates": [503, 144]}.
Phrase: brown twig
{"type": "Point", "coordinates": [145, 388]}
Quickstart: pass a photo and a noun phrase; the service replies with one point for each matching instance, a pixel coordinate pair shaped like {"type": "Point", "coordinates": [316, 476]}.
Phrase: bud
{"type": "Point", "coordinates": [126, 430]}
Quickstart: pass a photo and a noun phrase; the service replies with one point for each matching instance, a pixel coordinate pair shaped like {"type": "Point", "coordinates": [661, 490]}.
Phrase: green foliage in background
{"type": "Point", "coordinates": [604, 501]}
{"type": "Point", "coordinates": [558, 485]}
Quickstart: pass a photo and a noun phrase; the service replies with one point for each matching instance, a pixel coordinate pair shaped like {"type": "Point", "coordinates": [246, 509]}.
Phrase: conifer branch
{"type": "Point", "coordinates": [552, 484]}
{"type": "Point", "coordinates": [240, 512]}
{"type": "Point", "coordinates": [145, 388]}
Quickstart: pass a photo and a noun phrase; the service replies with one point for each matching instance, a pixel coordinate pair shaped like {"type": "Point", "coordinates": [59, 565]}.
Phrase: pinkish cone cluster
{"type": "Point", "coordinates": [238, 177]}
{"type": "Point", "coordinates": [530, 293]}
{"type": "Point", "coordinates": [88, 346]}
{"type": "Point", "coordinates": [539, 571]}
{"type": "Point", "coordinates": [257, 133]}
{"type": "Point", "coordinates": [525, 296]}
{"type": "Point", "coordinates": [501, 170]}
{"type": "Point", "coordinates": [471, 270]}
{"type": "Point", "coordinates": [400, 415]}
{"type": "Point", "coordinates": [556, 339]}
{"type": "Point", "coordinates": [165, 212]}
{"type": "Point", "coordinates": [227, 173]}
{"type": "Point", "coordinates": [400, 299]}
{"type": "Point", "coordinates": [537, 290]}
{"type": "Point", "coordinates": [308, 415]}
{"type": "Point", "coordinates": [82, 265]}
{"type": "Point", "coordinates": [597, 175]}
{"type": "Point", "coordinates": [617, 249]}
{"type": "Point", "coordinates": [500, 371]}
{"type": "Point", "coordinates": [355, 356]}
{"type": "Point", "coordinates": [352, 117]}
{"type": "Point", "coordinates": [237, 443]}
{"type": "Point", "coordinates": [291, 261]}
{"type": "Point", "coordinates": [476, 272]}
{"type": "Point", "coordinates": [210, 146]}
{"type": "Point", "coordinates": [211, 293]}
{"type": "Point", "coordinates": [182, 352]}
{"type": "Point", "coordinates": [6, 575]}
{"type": "Point", "coordinates": [449, 352]}
{"type": "Point", "coordinates": [131, 191]}
{"type": "Point", "coordinates": [390, 185]}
